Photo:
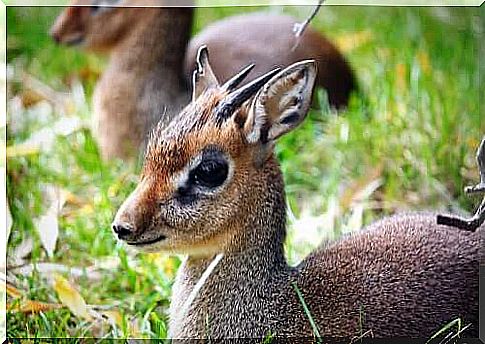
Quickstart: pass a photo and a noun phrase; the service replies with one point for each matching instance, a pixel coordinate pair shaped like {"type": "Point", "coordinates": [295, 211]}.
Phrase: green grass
{"type": "Point", "coordinates": [314, 326]}
{"type": "Point", "coordinates": [414, 127]}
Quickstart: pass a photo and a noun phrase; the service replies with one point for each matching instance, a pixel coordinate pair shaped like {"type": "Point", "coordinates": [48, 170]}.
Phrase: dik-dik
{"type": "Point", "coordinates": [211, 187]}
{"type": "Point", "coordinates": [149, 71]}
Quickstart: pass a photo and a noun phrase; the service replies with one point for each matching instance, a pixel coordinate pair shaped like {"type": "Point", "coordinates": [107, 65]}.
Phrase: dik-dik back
{"type": "Point", "coordinates": [211, 188]}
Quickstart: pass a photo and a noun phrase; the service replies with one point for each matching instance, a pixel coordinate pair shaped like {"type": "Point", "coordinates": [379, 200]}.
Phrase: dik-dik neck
{"type": "Point", "coordinates": [251, 271]}
{"type": "Point", "coordinates": [156, 44]}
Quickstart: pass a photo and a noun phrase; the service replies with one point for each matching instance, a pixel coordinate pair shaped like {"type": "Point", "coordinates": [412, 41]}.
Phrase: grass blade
{"type": "Point", "coordinates": [316, 332]}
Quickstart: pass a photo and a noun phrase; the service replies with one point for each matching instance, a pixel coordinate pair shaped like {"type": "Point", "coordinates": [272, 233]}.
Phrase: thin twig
{"type": "Point", "coordinates": [478, 218]}
{"type": "Point", "coordinates": [480, 187]}
{"type": "Point", "coordinates": [466, 224]}
{"type": "Point", "coordinates": [299, 28]}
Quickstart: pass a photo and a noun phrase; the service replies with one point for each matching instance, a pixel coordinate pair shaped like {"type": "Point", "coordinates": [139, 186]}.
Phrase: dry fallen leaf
{"type": "Point", "coordinates": [31, 306]}
{"type": "Point", "coordinates": [72, 198]}
{"type": "Point", "coordinates": [71, 298]}
{"type": "Point", "coordinates": [30, 97]}
{"type": "Point", "coordinates": [114, 318]}
{"type": "Point", "coordinates": [12, 291]}
{"type": "Point", "coordinates": [26, 306]}
{"type": "Point", "coordinates": [47, 225]}
{"type": "Point", "coordinates": [48, 228]}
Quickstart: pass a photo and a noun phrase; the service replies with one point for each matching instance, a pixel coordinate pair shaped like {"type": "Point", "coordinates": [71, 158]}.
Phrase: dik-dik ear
{"type": "Point", "coordinates": [203, 77]}
{"type": "Point", "coordinates": [282, 104]}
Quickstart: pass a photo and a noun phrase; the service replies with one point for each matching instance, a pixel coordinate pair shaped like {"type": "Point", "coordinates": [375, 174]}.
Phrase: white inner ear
{"type": "Point", "coordinates": [286, 105]}
{"type": "Point", "coordinates": [282, 104]}
{"type": "Point", "coordinates": [255, 121]}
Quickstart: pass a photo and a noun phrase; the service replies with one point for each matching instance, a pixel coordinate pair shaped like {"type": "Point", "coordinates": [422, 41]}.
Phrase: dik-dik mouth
{"type": "Point", "coordinates": [147, 242]}
{"type": "Point", "coordinates": [74, 41]}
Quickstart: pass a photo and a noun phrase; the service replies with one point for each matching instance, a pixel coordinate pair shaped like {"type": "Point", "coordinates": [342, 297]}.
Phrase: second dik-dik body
{"type": "Point", "coordinates": [151, 61]}
{"type": "Point", "coordinates": [211, 187]}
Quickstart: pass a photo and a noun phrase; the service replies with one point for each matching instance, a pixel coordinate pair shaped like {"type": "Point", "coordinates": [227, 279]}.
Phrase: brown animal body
{"type": "Point", "coordinates": [212, 188]}
{"type": "Point", "coordinates": [267, 41]}
{"type": "Point", "coordinates": [149, 72]}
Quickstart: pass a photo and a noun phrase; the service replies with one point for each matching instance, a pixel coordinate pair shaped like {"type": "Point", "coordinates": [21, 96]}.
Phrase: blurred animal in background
{"type": "Point", "coordinates": [151, 61]}
{"type": "Point", "coordinates": [211, 188]}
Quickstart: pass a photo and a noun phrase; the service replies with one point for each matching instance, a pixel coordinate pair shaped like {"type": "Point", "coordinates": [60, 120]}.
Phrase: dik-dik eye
{"type": "Point", "coordinates": [211, 172]}
{"type": "Point", "coordinates": [96, 10]}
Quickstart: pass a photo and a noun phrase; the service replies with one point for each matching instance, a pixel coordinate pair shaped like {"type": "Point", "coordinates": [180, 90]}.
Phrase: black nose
{"type": "Point", "coordinates": [122, 229]}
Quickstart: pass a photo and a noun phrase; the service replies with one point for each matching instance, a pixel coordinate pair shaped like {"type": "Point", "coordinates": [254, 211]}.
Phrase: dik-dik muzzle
{"type": "Point", "coordinates": [203, 171]}
{"type": "Point", "coordinates": [70, 26]}
{"type": "Point", "coordinates": [95, 24]}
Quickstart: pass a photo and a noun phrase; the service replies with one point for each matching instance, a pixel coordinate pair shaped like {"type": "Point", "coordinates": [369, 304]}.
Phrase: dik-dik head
{"type": "Point", "coordinates": [203, 173]}
{"type": "Point", "coordinates": [99, 25]}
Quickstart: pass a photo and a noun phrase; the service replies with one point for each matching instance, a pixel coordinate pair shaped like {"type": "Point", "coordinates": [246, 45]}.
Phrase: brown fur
{"type": "Point", "coordinates": [146, 79]}
{"type": "Point", "coordinates": [403, 276]}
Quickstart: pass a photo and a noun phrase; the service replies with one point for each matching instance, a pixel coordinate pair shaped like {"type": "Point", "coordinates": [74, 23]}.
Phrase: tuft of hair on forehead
{"type": "Point", "coordinates": [196, 116]}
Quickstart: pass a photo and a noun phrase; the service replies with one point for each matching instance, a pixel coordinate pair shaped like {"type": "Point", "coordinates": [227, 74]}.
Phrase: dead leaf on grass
{"type": "Point", "coordinates": [71, 298]}
{"type": "Point", "coordinates": [31, 306]}
{"type": "Point", "coordinates": [47, 225]}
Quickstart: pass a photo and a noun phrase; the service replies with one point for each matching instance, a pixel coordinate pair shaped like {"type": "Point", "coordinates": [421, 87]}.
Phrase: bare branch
{"type": "Point", "coordinates": [467, 224]}
{"type": "Point", "coordinates": [299, 28]}
{"type": "Point", "coordinates": [480, 187]}
{"type": "Point", "coordinates": [479, 217]}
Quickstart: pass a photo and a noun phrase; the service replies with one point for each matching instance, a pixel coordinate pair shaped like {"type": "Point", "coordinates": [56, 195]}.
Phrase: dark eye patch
{"type": "Point", "coordinates": [185, 194]}
{"type": "Point", "coordinates": [211, 172]}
